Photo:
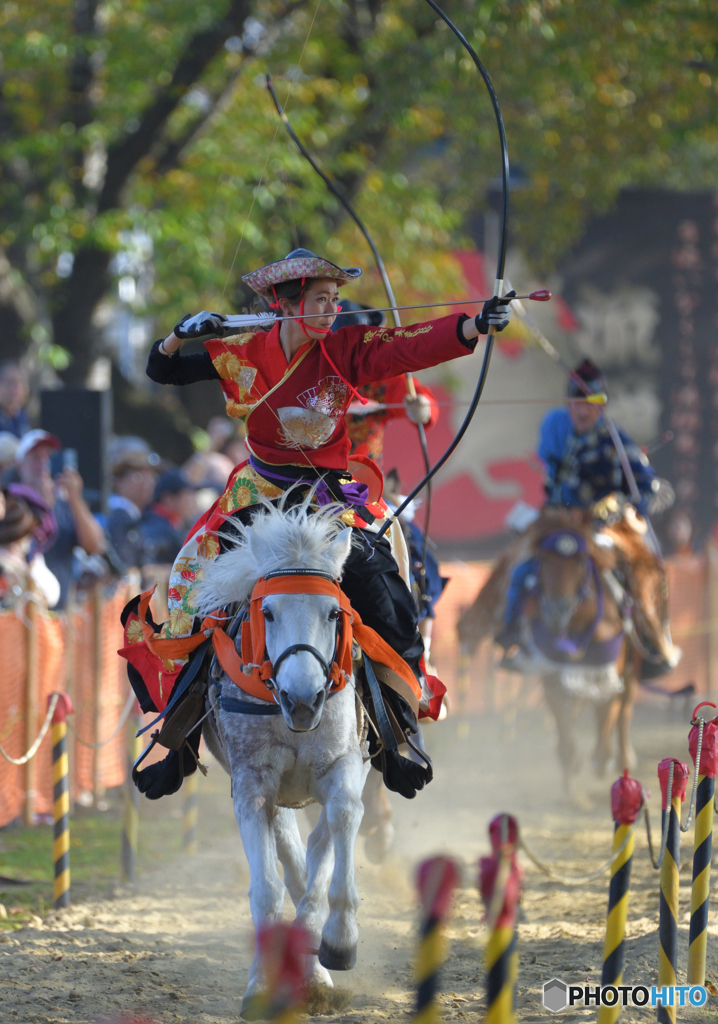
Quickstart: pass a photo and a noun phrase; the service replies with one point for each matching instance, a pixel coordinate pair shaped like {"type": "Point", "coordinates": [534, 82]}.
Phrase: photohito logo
{"type": "Point", "coordinates": [557, 995]}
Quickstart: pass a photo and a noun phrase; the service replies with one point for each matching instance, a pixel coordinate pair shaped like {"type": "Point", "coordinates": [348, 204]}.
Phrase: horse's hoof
{"type": "Point", "coordinates": [253, 1008]}
{"type": "Point", "coordinates": [337, 959]}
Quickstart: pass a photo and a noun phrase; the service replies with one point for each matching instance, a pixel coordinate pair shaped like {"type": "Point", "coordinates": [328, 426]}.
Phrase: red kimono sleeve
{"type": "Point", "coordinates": [365, 354]}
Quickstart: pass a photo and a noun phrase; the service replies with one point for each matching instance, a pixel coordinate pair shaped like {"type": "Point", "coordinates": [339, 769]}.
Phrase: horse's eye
{"type": "Point", "coordinates": [334, 615]}
{"type": "Point", "coordinates": [268, 617]}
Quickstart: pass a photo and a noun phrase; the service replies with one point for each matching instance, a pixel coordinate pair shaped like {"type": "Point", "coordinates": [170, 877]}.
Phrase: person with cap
{"type": "Point", "coordinates": [576, 448]}
{"type": "Point", "coordinates": [14, 393]}
{"type": "Point", "coordinates": [134, 477]}
{"type": "Point", "coordinates": [292, 385]}
{"type": "Point", "coordinates": [65, 519]}
{"type": "Point", "coordinates": [583, 470]}
{"type": "Point", "coordinates": [387, 400]}
{"type": "Point", "coordinates": [164, 524]}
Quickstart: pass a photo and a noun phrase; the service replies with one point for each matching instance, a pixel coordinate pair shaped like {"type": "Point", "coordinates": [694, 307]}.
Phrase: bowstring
{"type": "Point", "coordinates": [259, 184]}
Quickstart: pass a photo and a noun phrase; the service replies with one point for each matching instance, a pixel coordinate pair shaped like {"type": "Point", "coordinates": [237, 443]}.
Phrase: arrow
{"type": "Point", "coordinates": [265, 320]}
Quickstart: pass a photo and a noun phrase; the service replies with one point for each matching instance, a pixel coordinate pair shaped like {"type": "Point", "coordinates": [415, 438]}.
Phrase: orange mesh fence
{"type": "Point", "coordinates": [13, 643]}
{"type": "Point", "coordinates": [107, 765]}
{"type": "Point", "coordinates": [80, 662]}
{"type": "Point", "coordinates": [48, 638]}
{"type": "Point", "coordinates": [66, 653]}
{"type": "Point", "coordinates": [481, 685]}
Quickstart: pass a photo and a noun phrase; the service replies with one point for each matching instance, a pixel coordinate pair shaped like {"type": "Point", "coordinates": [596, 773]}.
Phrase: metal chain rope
{"type": "Point", "coordinates": [123, 718]}
{"type": "Point", "coordinates": [36, 745]}
{"type": "Point", "coordinates": [591, 875]}
{"type": "Point", "coordinates": [666, 823]}
{"type": "Point", "coordinates": [692, 805]}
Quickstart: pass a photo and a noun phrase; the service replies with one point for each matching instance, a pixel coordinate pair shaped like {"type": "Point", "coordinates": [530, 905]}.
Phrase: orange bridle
{"type": "Point", "coordinates": [253, 672]}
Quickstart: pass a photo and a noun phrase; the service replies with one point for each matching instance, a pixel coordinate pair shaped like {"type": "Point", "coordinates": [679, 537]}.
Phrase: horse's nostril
{"type": "Point", "coordinates": [318, 701]}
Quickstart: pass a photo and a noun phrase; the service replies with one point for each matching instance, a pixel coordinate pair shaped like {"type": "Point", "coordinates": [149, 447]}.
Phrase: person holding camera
{"type": "Point", "coordinates": [65, 519]}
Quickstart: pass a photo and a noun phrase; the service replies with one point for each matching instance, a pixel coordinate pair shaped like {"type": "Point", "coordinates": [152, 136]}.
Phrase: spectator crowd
{"type": "Point", "coordinates": [54, 546]}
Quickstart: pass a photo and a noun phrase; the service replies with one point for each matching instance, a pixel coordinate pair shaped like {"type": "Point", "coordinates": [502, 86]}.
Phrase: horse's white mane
{"type": "Point", "coordinates": [281, 538]}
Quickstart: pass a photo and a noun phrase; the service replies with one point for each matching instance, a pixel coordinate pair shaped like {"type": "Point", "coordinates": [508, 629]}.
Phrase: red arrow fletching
{"type": "Point", "coordinates": [541, 296]}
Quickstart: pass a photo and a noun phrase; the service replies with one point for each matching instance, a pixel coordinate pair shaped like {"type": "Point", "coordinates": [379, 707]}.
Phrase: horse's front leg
{"type": "Point", "coordinates": [291, 852]}
{"type": "Point", "coordinates": [312, 908]}
{"type": "Point", "coordinates": [342, 791]}
{"type": "Point", "coordinates": [255, 817]}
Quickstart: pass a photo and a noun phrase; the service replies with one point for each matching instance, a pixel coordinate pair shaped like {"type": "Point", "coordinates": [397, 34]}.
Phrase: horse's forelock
{"type": "Point", "coordinates": [575, 521]}
{"type": "Point", "coordinates": [280, 538]}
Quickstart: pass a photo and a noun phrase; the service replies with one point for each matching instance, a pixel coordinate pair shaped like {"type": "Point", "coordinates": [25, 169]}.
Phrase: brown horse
{"type": "Point", "coordinates": [571, 615]}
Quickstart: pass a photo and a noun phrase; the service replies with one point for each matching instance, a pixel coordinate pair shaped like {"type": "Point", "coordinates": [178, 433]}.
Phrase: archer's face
{"type": "Point", "coordinates": [321, 296]}
{"type": "Point", "coordinates": [584, 416]}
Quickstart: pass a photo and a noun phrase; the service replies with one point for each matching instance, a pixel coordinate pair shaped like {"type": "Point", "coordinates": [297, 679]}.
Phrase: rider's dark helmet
{"type": "Point", "coordinates": [593, 379]}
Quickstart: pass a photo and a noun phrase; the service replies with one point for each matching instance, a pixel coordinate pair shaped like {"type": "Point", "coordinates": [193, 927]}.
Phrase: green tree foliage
{"type": "Point", "coordinates": [133, 115]}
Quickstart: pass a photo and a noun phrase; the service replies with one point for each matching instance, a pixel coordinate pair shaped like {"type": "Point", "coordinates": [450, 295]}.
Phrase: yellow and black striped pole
{"type": "Point", "coordinates": [668, 912]}
{"type": "Point", "coordinates": [626, 803]}
{"type": "Point", "coordinates": [131, 817]}
{"type": "Point", "coordinates": [189, 814]}
{"type": "Point", "coordinates": [436, 880]}
{"type": "Point", "coordinates": [61, 800]}
{"type": "Point", "coordinates": [500, 884]}
{"type": "Point", "coordinates": [703, 842]}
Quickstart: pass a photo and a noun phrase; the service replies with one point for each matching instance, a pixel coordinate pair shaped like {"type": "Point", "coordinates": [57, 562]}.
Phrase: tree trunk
{"type": "Point", "coordinates": [72, 320]}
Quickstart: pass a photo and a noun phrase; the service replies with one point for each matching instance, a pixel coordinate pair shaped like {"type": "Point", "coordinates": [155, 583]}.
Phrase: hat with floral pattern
{"type": "Point", "coordinates": [298, 264]}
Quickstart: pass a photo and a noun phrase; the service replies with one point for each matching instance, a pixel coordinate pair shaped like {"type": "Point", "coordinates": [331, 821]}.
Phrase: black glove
{"type": "Point", "coordinates": [201, 325]}
{"type": "Point", "coordinates": [401, 775]}
{"type": "Point", "coordinates": [496, 313]}
{"type": "Point", "coordinates": [165, 777]}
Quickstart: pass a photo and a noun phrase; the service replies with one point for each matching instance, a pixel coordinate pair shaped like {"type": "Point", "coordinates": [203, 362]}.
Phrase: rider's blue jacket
{"type": "Point", "coordinates": [583, 468]}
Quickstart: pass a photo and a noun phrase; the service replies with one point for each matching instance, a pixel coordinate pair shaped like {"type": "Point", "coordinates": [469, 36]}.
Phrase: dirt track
{"type": "Point", "coordinates": [177, 946]}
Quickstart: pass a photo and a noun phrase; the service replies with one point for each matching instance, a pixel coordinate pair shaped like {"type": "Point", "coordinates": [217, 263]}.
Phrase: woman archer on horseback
{"type": "Point", "coordinates": [292, 386]}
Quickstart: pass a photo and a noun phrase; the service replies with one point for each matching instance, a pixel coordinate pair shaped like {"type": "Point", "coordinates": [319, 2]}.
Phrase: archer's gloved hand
{"type": "Point", "coordinates": [418, 409]}
{"type": "Point", "coordinates": [496, 313]}
{"type": "Point", "coordinates": [201, 325]}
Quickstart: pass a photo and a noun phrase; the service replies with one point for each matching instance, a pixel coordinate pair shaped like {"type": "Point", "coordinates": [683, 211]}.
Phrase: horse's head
{"type": "Point", "coordinates": [302, 632]}
{"type": "Point", "coordinates": [293, 627]}
{"type": "Point", "coordinates": [563, 577]}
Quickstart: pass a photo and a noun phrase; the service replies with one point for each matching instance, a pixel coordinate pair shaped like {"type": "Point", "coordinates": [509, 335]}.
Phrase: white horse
{"type": "Point", "coordinates": [312, 751]}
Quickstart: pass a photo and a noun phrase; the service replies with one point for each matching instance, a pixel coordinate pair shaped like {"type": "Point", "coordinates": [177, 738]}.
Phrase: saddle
{"type": "Point", "coordinates": [389, 692]}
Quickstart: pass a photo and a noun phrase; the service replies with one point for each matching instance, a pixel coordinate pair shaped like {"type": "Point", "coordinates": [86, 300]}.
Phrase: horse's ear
{"type": "Point", "coordinates": [340, 547]}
